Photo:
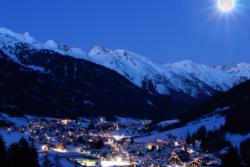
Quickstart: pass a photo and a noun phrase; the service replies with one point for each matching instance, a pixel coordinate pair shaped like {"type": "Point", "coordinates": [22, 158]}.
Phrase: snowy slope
{"type": "Point", "coordinates": [236, 139]}
{"type": "Point", "coordinates": [211, 123]}
{"type": "Point", "coordinates": [140, 70]}
{"type": "Point", "coordinates": [65, 50]}
{"type": "Point", "coordinates": [241, 69]}
{"type": "Point", "coordinates": [186, 77]}
{"type": "Point", "coordinates": [215, 78]}
{"type": "Point", "coordinates": [134, 67]}
{"type": "Point", "coordinates": [9, 40]}
{"type": "Point", "coordinates": [12, 137]}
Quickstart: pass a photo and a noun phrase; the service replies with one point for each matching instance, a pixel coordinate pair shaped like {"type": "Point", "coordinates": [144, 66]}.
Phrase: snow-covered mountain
{"type": "Point", "coordinates": [138, 69]}
{"type": "Point", "coordinates": [241, 69]}
{"type": "Point", "coordinates": [56, 80]}
{"type": "Point", "coordinates": [217, 79]}
{"type": "Point", "coordinates": [9, 39]}
{"type": "Point", "coordinates": [185, 76]}
{"type": "Point", "coordinates": [196, 80]}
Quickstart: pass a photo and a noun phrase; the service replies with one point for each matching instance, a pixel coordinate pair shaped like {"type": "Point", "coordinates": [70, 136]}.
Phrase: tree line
{"type": "Point", "coordinates": [18, 154]}
{"type": "Point", "coordinates": [214, 141]}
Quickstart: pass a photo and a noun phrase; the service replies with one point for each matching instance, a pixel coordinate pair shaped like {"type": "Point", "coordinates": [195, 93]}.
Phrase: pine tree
{"type": "Point", "coordinates": [46, 161]}
{"type": "Point", "coordinates": [231, 158]}
{"type": "Point", "coordinates": [22, 154]}
{"type": "Point", "coordinates": [245, 151]}
{"type": "Point", "coordinates": [132, 140]}
{"type": "Point", "coordinates": [189, 139]}
{"type": "Point", "coordinates": [13, 155]}
{"type": "Point", "coordinates": [3, 153]}
{"type": "Point", "coordinates": [34, 156]}
{"type": "Point", "coordinates": [28, 153]}
{"type": "Point", "coordinates": [57, 162]}
{"type": "Point", "coordinates": [201, 133]}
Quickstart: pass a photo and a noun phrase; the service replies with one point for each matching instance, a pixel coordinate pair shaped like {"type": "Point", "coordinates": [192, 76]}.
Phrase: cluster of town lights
{"type": "Point", "coordinates": [116, 162]}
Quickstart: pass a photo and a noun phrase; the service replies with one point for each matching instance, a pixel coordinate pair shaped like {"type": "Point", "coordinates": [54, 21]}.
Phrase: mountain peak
{"type": "Point", "coordinates": [52, 44]}
{"type": "Point", "coordinates": [98, 49]}
{"type": "Point", "coordinates": [186, 62]}
{"type": "Point", "coordinates": [4, 30]}
{"type": "Point", "coordinates": [8, 37]}
{"type": "Point", "coordinates": [55, 45]}
{"type": "Point", "coordinates": [243, 66]}
{"type": "Point", "coordinates": [25, 38]}
{"type": "Point", "coordinates": [242, 69]}
{"type": "Point", "coordinates": [66, 50]}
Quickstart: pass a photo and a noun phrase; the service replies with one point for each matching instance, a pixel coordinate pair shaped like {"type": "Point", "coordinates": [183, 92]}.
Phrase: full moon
{"type": "Point", "coordinates": [226, 5]}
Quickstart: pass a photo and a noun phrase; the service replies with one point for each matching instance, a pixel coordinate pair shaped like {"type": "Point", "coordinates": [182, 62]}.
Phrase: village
{"type": "Point", "coordinates": [99, 142]}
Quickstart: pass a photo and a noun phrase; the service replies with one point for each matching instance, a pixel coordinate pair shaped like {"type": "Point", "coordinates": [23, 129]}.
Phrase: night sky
{"type": "Point", "coordinates": [162, 30]}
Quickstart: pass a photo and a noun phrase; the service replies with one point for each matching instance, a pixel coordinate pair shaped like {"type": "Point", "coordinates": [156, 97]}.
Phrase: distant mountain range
{"type": "Point", "coordinates": [196, 80]}
{"type": "Point", "coordinates": [55, 79]}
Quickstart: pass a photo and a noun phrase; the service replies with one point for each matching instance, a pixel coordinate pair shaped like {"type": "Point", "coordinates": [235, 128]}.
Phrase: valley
{"type": "Point", "coordinates": [113, 107]}
{"type": "Point", "coordinates": [99, 142]}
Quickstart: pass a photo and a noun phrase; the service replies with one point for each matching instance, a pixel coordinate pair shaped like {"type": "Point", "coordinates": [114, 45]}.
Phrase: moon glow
{"type": "Point", "coordinates": [226, 5]}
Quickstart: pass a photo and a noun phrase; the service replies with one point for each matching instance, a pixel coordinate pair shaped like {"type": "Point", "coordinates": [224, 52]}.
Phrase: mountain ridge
{"type": "Point", "coordinates": [196, 80]}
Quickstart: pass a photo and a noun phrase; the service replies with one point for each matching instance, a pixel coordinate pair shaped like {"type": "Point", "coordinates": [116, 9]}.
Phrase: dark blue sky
{"type": "Point", "coordinates": [162, 30]}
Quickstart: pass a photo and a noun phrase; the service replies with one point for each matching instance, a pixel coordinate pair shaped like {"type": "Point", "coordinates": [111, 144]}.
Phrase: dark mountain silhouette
{"type": "Point", "coordinates": [45, 83]}
{"type": "Point", "coordinates": [236, 101]}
